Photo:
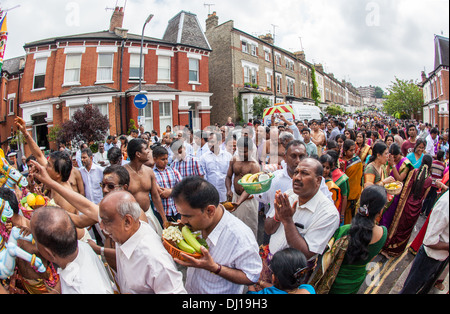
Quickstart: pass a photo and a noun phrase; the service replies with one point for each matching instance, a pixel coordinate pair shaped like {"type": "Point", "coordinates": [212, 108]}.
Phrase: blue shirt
{"type": "Point", "coordinates": [412, 159]}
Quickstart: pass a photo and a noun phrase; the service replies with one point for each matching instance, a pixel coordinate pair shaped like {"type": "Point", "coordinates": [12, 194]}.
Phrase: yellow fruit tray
{"type": "Point", "coordinates": [394, 188]}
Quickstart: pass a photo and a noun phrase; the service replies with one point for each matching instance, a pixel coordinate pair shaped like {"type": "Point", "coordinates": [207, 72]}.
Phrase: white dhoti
{"type": "Point", "coordinates": [247, 212]}
{"type": "Point", "coordinates": [153, 221]}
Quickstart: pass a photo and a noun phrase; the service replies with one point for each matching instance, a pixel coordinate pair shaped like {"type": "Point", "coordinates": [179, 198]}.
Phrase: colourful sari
{"type": "Point", "coordinates": [402, 166]}
{"type": "Point", "coordinates": [354, 171]}
{"type": "Point", "coordinates": [363, 152]}
{"type": "Point", "coordinates": [417, 243]}
{"type": "Point", "coordinates": [341, 180]}
{"type": "Point", "coordinates": [406, 216]}
{"type": "Point", "coordinates": [335, 192]}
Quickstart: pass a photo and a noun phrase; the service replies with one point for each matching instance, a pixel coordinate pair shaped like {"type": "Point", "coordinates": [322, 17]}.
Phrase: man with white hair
{"type": "Point", "coordinates": [138, 248]}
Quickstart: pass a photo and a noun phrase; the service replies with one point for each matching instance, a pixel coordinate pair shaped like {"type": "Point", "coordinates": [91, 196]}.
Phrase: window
{"type": "Point", "coordinates": [105, 67]}
{"type": "Point", "coordinates": [440, 83]}
{"type": "Point", "coordinates": [165, 114]}
{"type": "Point", "coordinates": [193, 70]}
{"type": "Point", "coordinates": [254, 50]}
{"type": "Point", "coordinates": [164, 68]}
{"type": "Point", "coordinates": [134, 66]}
{"type": "Point", "coordinates": [72, 72]}
{"type": "Point", "coordinates": [244, 46]}
{"type": "Point", "coordinates": [267, 55]}
{"type": "Point", "coordinates": [253, 78]}
{"type": "Point", "coordinates": [11, 106]}
{"type": "Point", "coordinates": [102, 107]}
{"type": "Point", "coordinates": [278, 59]}
{"type": "Point", "coordinates": [269, 79]}
{"type": "Point", "coordinates": [278, 84]}
{"type": "Point", "coordinates": [39, 73]}
{"type": "Point", "coordinates": [246, 74]}
{"type": "Point", "coordinates": [290, 86]}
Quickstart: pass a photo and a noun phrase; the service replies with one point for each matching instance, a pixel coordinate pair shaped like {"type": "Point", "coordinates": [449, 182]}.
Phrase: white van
{"type": "Point", "coordinates": [292, 112]}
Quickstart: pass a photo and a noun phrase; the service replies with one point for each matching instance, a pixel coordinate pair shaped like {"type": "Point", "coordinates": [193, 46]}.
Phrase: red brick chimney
{"type": "Point", "coordinates": [116, 19]}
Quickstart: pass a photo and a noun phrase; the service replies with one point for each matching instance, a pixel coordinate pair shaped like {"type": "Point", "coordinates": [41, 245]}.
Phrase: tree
{"type": "Point", "coordinates": [87, 125]}
{"type": "Point", "coordinates": [404, 97]}
{"type": "Point", "coordinates": [379, 92]}
{"type": "Point", "coordinates": [259, 104]}
{"type": "Point", "coordinates": [315, 95]}
{"type": "Point", "coordinates": [334, 110]}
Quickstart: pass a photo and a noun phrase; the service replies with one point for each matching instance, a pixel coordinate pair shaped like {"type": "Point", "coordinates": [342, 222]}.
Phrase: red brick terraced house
{"type": "Point", "coordinates": [60, 75]}
{"type": "Point", "coordinates": [436, 87]}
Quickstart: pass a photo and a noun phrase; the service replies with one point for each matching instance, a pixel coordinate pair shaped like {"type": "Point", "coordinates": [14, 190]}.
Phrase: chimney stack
{"type": "Point", "coordinates": [424, 76]}
{"type": "Point", "coordinates": [212, 21]}
{"type": "Point", "coordinates": [319, 67]}
{"type": "Point", "coordinates": [116, 19]}
{"type": "Point", "coordinates": [267, 38]}
{"type": "Point", "coordinates": [300, 55]}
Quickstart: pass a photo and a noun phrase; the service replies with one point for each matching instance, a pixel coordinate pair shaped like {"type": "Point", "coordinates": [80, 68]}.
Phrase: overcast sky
{"type": "Point", "coordinates": [365, 42]}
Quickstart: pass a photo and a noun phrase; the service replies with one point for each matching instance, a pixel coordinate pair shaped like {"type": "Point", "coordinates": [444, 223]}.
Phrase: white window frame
{"type": "Point", "coordinates": [197, 70]}
{"type": "Point", "coordinates": [109, 67]}
{"type": "Point", "coordinates": [163, 67]}
{"type": "Point", "coordinates": [11, 104]}
{"type": "Point", "coordinates": [134, 57]}
{"type": "Point", "coordinates": [254, 50]}
{"type": "Point", "coordinates": [75, 82]}
{"type": "Point", "coordinates": [244, 46]}
{"type": "Point", "coordinates": [43, 68]}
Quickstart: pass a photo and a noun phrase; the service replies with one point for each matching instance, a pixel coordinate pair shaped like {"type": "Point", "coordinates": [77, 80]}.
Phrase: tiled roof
{"type": "Point", "coordinates": [153, 88]}
{"type": "Point", "coordinates": [441, 51]}
{"type": "Point", "coordinates": [184, 29]}
{"type": "Point", "coordinates": [12, 66]}
{"type": "Point", "coordinates": [85, 90]}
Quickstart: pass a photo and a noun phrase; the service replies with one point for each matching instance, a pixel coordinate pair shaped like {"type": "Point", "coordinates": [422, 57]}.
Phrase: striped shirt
{"type": "Point", "coordinates": [189, 166]}
{"type": "Point", "coordinates": [231, 244]}
{"type": "Point", "coordinates": [437, 171]}
{"type": "Point", "coordinates": [168, 178]}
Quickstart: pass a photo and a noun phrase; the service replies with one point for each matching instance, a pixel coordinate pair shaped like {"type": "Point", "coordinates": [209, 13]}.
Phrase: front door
{"type": "Point", "coordinates": [40, 131]}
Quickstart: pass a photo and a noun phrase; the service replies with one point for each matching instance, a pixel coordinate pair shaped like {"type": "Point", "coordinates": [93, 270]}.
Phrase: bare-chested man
{"type": "Point", "coordinates": [143, 182]}
{"type": "Point", "coordinates": [318, 137]}
{"type": "Point", "coordinates": [76, 181]}
{"type": "Point", "coordinates": [59, 167]}
{"type": "Point", "coordinates": [242, 164]}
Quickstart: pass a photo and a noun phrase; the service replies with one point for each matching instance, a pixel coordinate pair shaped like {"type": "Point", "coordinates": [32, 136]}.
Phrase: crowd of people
{"type": "Point", "coordinates": [326, 215]}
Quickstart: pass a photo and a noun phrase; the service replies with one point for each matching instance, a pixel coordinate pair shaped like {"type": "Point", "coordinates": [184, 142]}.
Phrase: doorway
{"type": "Point", "coordinates": [40, 130]}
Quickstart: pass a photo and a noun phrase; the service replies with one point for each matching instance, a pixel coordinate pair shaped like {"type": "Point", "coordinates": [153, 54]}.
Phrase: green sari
{"type": "Point", "coordinates": [350, 277]}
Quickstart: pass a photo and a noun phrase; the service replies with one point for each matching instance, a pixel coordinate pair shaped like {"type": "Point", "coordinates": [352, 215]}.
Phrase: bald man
{"type": "Point", "coordinates": [138, 248]}
{"type": "Point", "coordinates": [80, 269]}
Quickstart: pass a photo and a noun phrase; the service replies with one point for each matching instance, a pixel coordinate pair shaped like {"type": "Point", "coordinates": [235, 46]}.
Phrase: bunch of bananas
{"type": "Point", "coordinates": [257, 177]}
{"type": "Point", "coordinates": [185, 240]}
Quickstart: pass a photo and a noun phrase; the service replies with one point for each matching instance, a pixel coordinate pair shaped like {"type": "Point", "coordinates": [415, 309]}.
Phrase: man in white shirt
{"type": "Point", "coordinates": [351, 123]}
{"type": "Point", "coordinates": [92, 175]}
{"type": "Point", "coordinates": [432, 140]}
{"type": "Point", "coordinates": [304, 218]}
{"type": "Point", "coordinates": [101, 157]}
{"type": "Point", "coordinates": [432, 256]}
{"type": "Point", "coordinates": [232, 259]}
{"type": "Point", "coordinates": [215, 163]}
{"type": "Point", "coordinates": [143, 264]}
{"type": "Point", "coordinates": [80, 269]}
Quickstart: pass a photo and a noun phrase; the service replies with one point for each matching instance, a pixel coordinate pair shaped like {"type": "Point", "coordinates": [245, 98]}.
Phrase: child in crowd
{"type": "Point", "coordinates": [167, 178]}
{"type": "Point", "coordinates": [289, 269]}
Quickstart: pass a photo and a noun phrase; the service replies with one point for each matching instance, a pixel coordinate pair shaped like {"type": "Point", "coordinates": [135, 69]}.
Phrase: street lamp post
{"type": "Point", "coordinates": [141, 111]}
{"type": "Point", "coordinates": [142, 47]}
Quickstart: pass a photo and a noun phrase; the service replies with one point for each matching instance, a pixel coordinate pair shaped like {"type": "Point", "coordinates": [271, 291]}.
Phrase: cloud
{"type": "Point", "coordinates": [370, 41]}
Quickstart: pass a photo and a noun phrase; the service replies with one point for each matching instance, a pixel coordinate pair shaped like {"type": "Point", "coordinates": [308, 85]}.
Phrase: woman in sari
{"type": "Point", "coordinates": [353, 247]}
{"type": "Point", "coordinates": [341, 180]}
{"type": "Point", "coordinates": [353, 168]}
{"type": "Point", "coordinates": [376, 171]}
{"type": "Point", "coordinates": [401, 166]}
{"type": "Point", "coordinates": [362, 148]}
{"type": "Point", "coordinates": [415, 157]}
{"type": "Point", "coordinates": [408, 210]}
{"type": "Point", "coordinates": [327, 161]}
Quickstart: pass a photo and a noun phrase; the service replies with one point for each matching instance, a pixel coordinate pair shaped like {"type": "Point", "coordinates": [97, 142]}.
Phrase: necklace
{"type": "Point", "coordinates": [139, 174]}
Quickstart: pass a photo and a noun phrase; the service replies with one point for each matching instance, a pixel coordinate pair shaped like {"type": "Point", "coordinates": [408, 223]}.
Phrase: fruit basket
{"type": "Point", "coordinates": [176, 252]}
{"type": "Point", "coordinates": [31, 202]}
{"type": "Point", "coordinates": [256, 183]}
{"type": "Point", "coordinates": [394, 188]}
{"type": "Point", "coordinates": [172, 238]}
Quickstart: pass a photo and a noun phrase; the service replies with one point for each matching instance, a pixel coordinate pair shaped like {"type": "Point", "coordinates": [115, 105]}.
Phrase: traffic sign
{"type": "Point", "coordinates": [140, 101]}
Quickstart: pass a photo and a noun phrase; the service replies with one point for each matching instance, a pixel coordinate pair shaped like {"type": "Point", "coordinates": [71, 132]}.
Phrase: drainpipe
{"type": "Point", "coordinates": [120, 87]}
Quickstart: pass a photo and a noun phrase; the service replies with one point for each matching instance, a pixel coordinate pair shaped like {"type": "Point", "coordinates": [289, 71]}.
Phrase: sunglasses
{"type": "Point", "coordinates": [109, 185]}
